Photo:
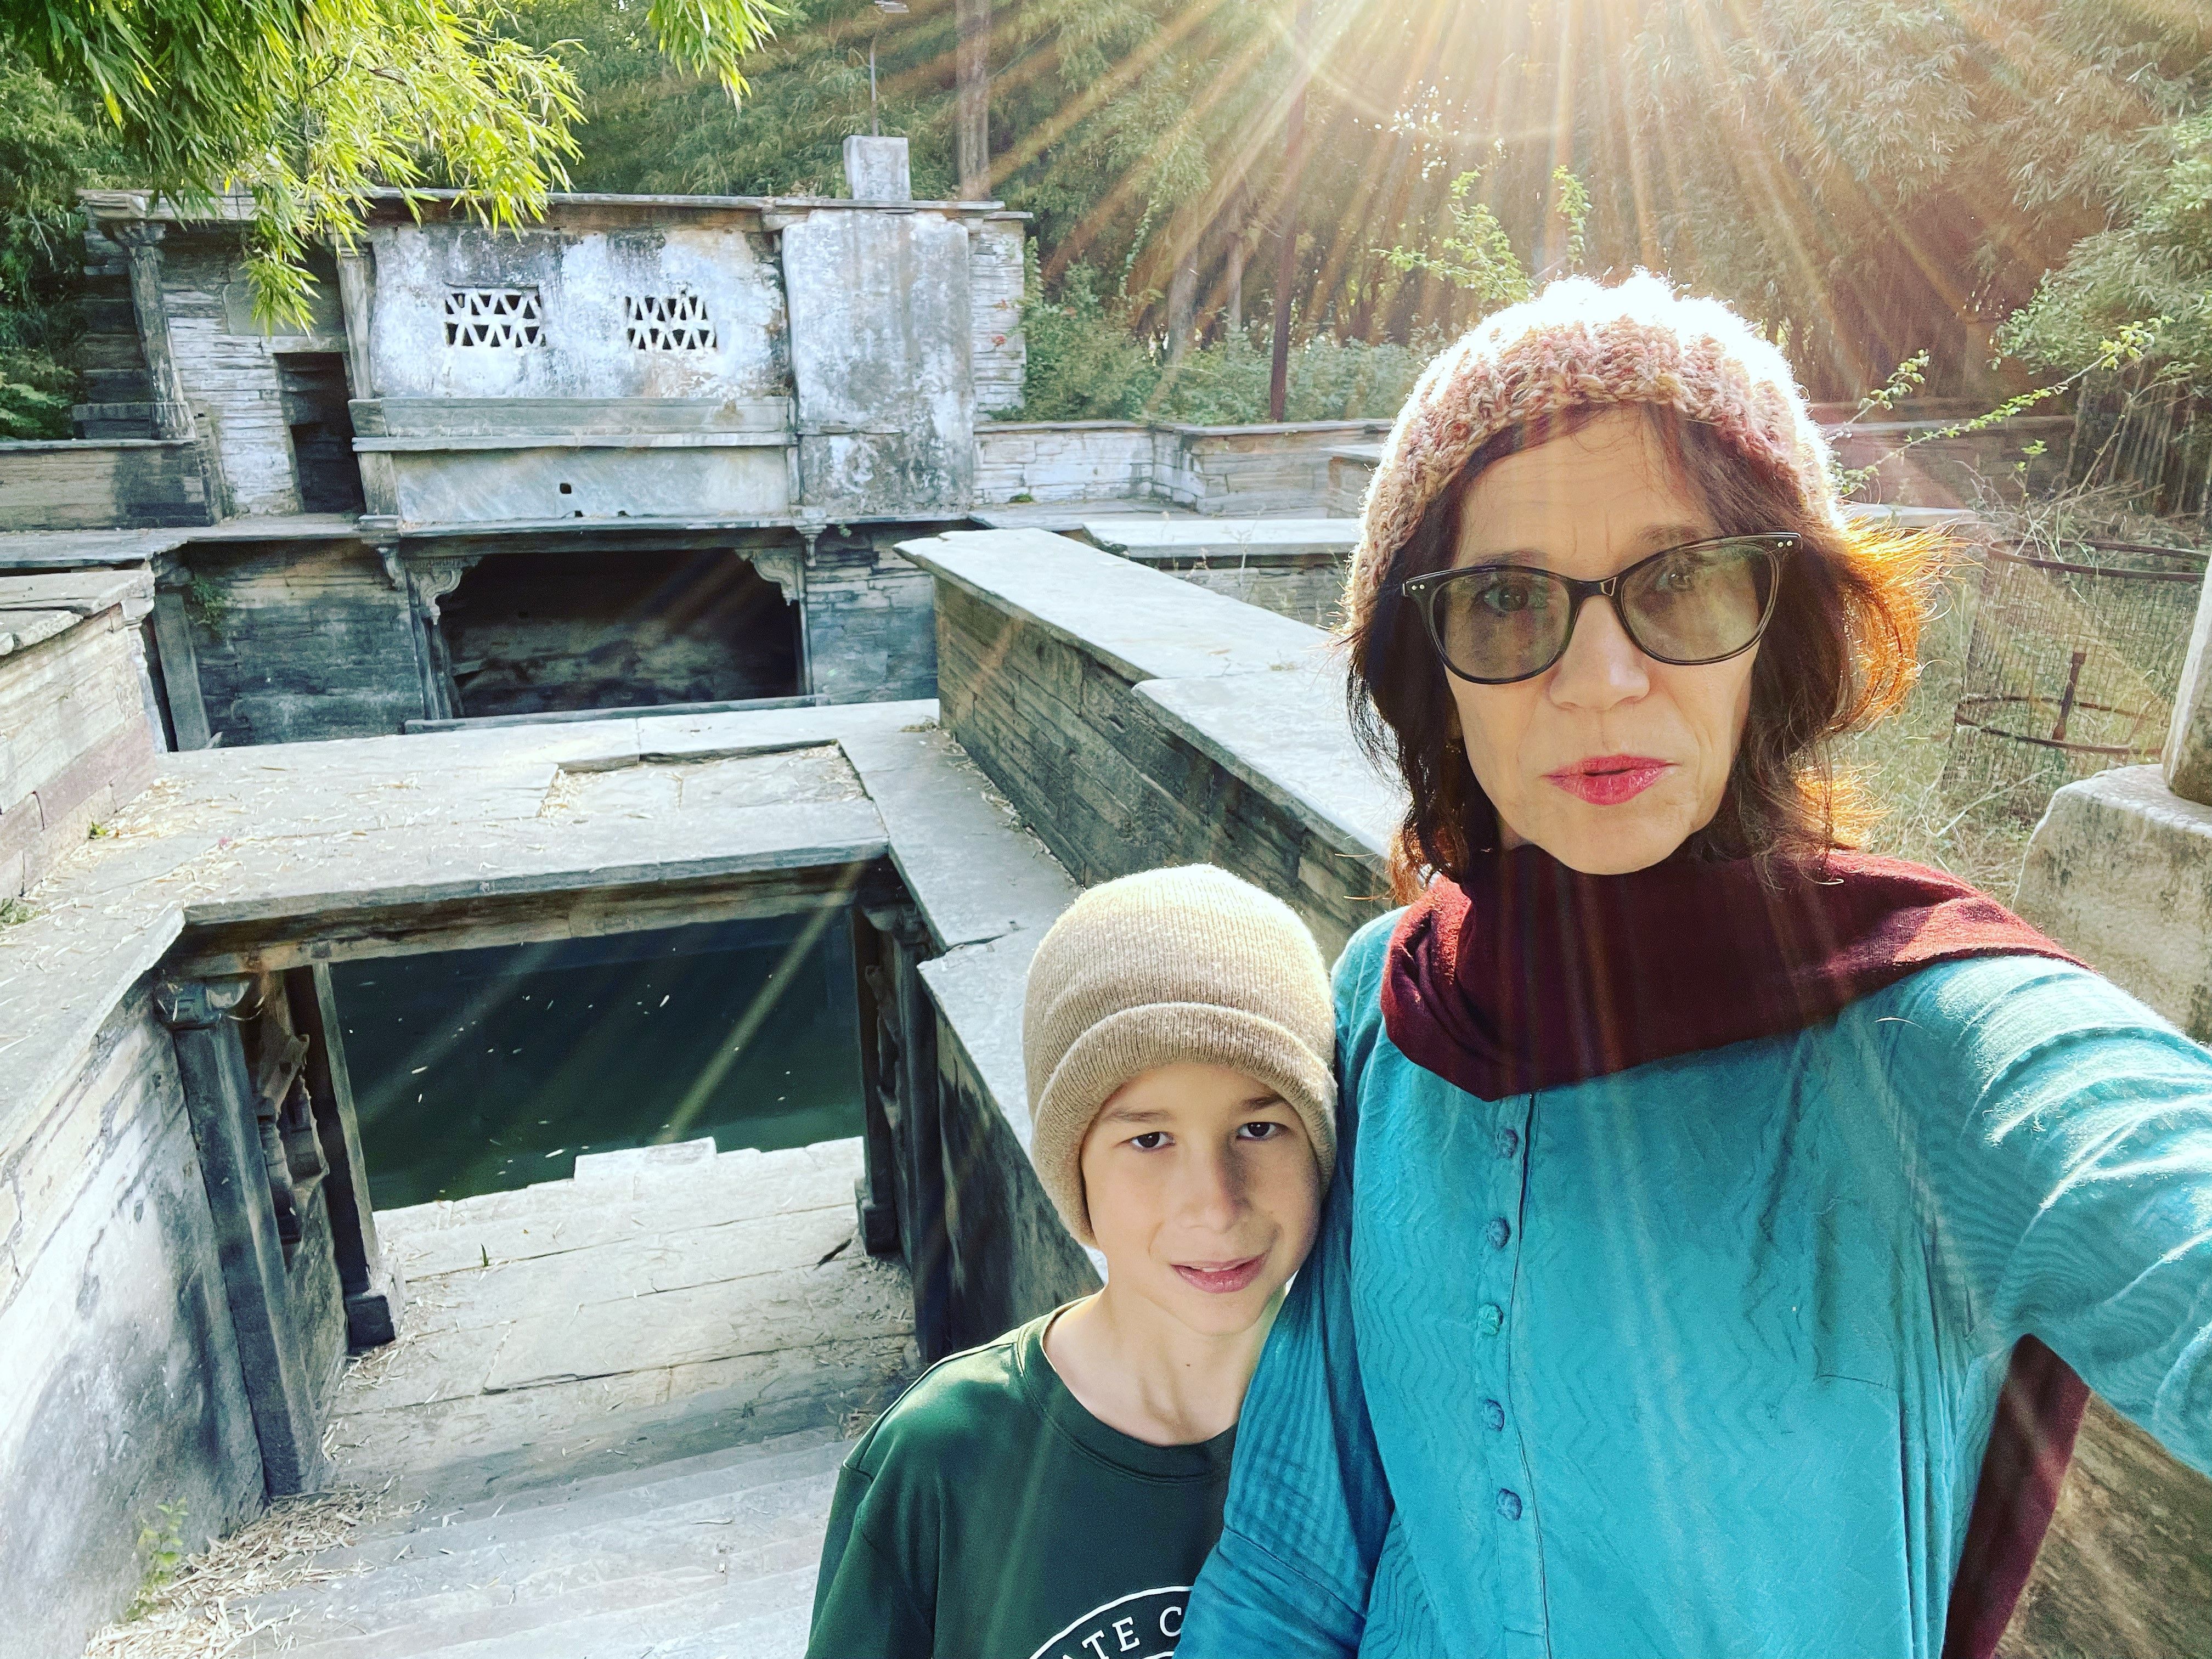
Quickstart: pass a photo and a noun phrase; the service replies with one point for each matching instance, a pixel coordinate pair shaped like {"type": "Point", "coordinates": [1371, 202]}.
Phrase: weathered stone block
{"type": "Point", "coordinates": [2120, 871]}
{"type": "Point", "coordinates": [876, 169]}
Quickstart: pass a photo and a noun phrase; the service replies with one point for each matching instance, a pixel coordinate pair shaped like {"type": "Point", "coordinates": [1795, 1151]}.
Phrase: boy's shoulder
{"type": "Point", "coordinates": [961, 1410]}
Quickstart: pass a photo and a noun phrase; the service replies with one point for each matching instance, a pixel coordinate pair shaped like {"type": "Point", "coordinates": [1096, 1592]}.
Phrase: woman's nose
{"type": "Point", "coordinates": [1601, 668]}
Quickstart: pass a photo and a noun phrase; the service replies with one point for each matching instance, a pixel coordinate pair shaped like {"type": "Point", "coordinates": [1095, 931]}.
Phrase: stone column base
{"type": "Point", "coordinates": [2120, 873]}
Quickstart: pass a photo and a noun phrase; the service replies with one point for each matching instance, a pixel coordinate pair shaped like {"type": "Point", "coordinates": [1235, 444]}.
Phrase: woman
{"type": "Point", "coordinates": [1697, 1181]}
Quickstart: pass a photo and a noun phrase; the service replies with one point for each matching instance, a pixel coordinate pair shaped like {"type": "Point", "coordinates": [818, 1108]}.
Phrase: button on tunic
{"type": "Point", "coordinates": [1700, 1358]}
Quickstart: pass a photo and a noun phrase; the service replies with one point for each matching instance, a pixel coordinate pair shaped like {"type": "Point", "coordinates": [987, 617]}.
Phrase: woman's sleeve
{"type": "Point", "coordinates": [2075, 1188]}
{"type": "Point", "coordinates": [1308, 1503]}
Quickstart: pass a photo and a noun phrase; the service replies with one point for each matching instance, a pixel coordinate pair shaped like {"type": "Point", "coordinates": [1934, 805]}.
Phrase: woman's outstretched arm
{"type": "Point", "coordinates": [2066, 1135]}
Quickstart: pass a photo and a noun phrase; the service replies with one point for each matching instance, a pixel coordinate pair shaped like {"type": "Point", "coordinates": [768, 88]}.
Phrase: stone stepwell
{"type": "Point", "coordinates": [614, 1426]}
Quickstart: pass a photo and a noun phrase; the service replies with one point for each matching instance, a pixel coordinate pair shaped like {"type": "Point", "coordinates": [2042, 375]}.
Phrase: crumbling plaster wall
{"type": "Point", "coordinates": [581, 277]}
{"type": "Point", "coordinates": [120, 1388]}
{"type": "Point", "coordinates": [228, 364]}
{"type": "Point", "coordinates": [311, 642]}
{"type": "Point", "coordinates": [882, 344]}
{"type": "Point", "coordinates": [994, 295]}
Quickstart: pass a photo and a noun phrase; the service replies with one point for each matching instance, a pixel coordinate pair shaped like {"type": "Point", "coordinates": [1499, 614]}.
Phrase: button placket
{"type": "Point", "coordinates": [1512, 1524]}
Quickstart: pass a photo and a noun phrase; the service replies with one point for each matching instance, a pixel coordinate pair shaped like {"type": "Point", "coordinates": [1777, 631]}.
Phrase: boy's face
{"type": "Point", "coordinates": [1203, 1194]}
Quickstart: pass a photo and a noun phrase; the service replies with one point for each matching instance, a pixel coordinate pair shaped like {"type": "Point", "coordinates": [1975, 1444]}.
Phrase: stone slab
{"type": "Point", "coordinates": [81, 593]}
{"type": "Point", "coordinates": [958, 845]}
{"type": "Point", "coordinates": [1287, 735]}
{"type": "Point", "coordinates": [978, 989]}
{"type": "Point", "coordinates": [1145, 625]}
{"type": "Point", "coordinates": [2119, 872]}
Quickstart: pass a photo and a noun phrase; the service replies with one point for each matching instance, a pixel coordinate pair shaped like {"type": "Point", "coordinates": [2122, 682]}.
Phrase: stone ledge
{"type": "Point", "coordinates": [2120, 870]}
{"type": "Point", "coordinates": [1142, 625]}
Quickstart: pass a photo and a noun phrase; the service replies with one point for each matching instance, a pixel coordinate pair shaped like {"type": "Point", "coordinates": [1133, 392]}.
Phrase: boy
{"type": "Point", "coordinates": [1052, 1495]}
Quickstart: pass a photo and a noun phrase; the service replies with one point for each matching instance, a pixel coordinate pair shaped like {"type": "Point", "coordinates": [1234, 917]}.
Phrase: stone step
{"type": "Point", "coordinates": [731, 1463]}
{"type": "Point", "coordinates": [639, 1493]}
{"type": "Point", "coordinates": [629, 1550]}
{"type": "Point", "coordinates": [763, 1618]}
{"type": "Point", "coordinates": [631, 1201]}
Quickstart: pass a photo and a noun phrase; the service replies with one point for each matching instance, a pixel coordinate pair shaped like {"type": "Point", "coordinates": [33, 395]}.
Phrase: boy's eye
{"type": "Point", "coordinates": [1150, 1141]}
{"type": "Point", "coordinates": [1259, 1130]}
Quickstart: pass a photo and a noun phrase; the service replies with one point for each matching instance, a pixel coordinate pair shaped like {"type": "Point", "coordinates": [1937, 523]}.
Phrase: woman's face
{"type": "Point", "coordinates": [1609, 760]}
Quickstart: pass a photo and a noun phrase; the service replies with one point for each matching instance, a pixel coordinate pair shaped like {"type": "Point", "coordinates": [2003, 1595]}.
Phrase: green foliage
{"type": "Point", "coordinates": [1085, 363]}
{"type": "Point", "coordinates": [47, 148]}
{"type": "Point", "coordinates": [304, 106]}
{"type": "Point", "coordinates": [161, 1543]}
{"type": "Point", "coordinates": [206, 605]}
{"type": "Point", "coordinates": [2141, 289]}
{"type": "Point", "coordinates": [13, 912]}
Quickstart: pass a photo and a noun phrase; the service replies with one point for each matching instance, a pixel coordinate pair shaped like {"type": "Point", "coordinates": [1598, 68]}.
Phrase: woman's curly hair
{"type": "Point", "coordinates": [1840, 653]}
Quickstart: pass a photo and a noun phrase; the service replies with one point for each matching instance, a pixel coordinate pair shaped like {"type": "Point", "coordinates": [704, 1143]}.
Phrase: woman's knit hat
{"type": "Point", "coordinates": [1578, 344]}
{"type": "Point", "coordinates": [1180, 964]}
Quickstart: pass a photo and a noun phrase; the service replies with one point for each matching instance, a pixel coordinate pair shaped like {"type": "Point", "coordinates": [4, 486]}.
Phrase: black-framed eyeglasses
{"type": "Point", "coordinates": [1701, 602]}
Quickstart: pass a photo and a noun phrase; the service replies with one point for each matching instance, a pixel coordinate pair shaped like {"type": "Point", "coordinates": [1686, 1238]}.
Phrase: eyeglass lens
{"type": "Point", "coordinates": [1691, 605]}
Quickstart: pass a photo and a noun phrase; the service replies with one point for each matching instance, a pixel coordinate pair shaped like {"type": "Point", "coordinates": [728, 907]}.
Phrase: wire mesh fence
{"type": "Point", "coordinates": [2072, 665]}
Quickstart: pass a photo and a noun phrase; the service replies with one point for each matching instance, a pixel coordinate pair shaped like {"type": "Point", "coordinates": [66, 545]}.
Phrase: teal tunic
{"type": "Point", "coordinates": [1701, 1358]}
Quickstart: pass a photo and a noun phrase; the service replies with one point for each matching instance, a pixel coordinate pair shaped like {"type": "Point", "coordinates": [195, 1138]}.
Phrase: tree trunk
{"type": "Point", "coordinates": [1235, 255]}
{"type": "Point", "coordinates": [972, 131]}
{"type": "Point", "coordinates": [1286, 253]}
{"type": "Point", "coordinates": [1182, 301]}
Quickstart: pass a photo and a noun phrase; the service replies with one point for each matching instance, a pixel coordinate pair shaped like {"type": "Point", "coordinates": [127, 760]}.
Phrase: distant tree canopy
{"type": "Point", "coordinates": [1879, 177]}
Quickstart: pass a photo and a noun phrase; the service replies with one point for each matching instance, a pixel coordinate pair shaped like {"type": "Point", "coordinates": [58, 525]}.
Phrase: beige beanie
{"type": "Point", "coordinates": [1180, 964]}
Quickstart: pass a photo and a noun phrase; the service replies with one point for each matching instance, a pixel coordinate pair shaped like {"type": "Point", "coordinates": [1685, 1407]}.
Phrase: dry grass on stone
{"type": "Point", "coordinates": [199, 1613]}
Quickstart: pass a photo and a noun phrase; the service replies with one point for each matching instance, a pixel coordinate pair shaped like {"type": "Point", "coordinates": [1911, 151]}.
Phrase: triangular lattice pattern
{"type": "Point", "coordinates": [668, 322]}
{"type": "Point", "coordinates": [498, 317]}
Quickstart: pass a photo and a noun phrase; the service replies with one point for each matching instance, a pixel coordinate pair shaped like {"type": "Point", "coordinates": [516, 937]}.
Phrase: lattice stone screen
{"type": "Point", "coordinates": [668, 322]}
{"type": "Point", "coordinates": [2076, 656]}
{"type": "Point", "coordinates": [498, 318]}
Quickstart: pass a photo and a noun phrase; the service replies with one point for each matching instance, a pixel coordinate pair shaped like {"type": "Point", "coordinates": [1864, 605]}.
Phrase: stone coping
{"type": "Point", "coordinates": [1260, 694]}
{"type": "Point", "coordinates": [38, 607]}
{"type": "Point", "coordinates": [1145, 625]}
{"type": "Point", "coordinates": [271, 834]}
{"type": "Point", "coordinates": [1209, 537]}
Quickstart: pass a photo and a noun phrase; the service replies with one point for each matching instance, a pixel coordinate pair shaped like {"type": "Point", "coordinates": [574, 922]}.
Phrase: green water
{"type": "Point", "coordinates": [479, 1071]}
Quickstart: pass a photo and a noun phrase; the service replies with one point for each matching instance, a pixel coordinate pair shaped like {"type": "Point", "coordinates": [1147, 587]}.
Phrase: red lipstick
{"type": "Point", "coordinates": [1224, 1279]}
{"type": "Point", "coordinates": [1609, 780]}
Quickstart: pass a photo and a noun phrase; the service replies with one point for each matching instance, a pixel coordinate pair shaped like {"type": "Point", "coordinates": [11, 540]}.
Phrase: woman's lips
{"type": "Point", "coordinates": [1225, 1279]}
{"type": "Point", "coordinates": [1609, 780]}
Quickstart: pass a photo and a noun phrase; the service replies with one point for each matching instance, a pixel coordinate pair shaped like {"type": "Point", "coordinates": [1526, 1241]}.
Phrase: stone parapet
{"type": "Point", "coordinates": [77, 738]}
{"type": "Point", "coordinates": [1132, 721]}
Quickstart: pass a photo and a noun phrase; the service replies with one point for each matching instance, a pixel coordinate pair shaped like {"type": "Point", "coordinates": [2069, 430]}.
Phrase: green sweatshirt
{"type": "Point", "coordinates": [987, 1515]}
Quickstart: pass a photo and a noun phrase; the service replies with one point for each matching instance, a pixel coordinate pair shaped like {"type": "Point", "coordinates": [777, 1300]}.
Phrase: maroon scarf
{"type": "Point", "coordinates": [1536, 975]}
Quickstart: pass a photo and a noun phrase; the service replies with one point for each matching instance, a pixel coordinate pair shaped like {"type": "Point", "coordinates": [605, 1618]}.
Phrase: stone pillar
{"type": "Point", "coordinates": [875, 169]}
{"type": "Point", "coordinates": [356, 298]}
{"type": "Point", "coordinates": [220, 1097]}
{"type": "Point", "coordinates": [142, 238]}
{"type": "Point", "coordinates": [2188, 759]}
{"type": "Point", "coordinates": [373, 1290]}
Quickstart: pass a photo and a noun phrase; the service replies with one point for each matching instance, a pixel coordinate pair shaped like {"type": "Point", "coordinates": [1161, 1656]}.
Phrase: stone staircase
{"type": "Point", "coordinates": [612, 1426]}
